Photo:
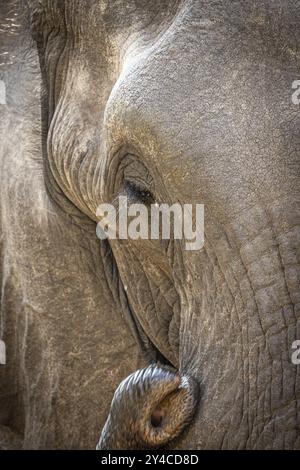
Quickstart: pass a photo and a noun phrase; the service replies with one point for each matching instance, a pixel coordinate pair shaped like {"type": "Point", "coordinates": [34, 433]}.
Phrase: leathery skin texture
{"type": "Point", "coordinates": [194, 102]}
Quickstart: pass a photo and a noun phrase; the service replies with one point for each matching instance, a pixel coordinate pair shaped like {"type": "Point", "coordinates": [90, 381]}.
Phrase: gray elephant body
{"type": "Point", "coordinates": [190, 100]}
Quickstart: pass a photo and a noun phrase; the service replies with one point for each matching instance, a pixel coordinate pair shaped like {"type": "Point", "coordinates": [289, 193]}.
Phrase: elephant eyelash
{"type": "Point", "coordinates": [138, 193]}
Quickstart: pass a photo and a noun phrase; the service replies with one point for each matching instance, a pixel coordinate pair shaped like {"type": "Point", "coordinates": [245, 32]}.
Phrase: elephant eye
{"type": "Point", "coordinates": [137, 193]}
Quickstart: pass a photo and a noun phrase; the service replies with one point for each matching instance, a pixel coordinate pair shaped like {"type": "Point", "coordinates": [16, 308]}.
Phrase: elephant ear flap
{"type": "Point", "coordinates": [169, 410]}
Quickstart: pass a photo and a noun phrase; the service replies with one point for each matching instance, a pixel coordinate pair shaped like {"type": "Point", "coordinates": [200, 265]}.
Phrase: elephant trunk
{"type": "Point", "coordinates": [150, 408]}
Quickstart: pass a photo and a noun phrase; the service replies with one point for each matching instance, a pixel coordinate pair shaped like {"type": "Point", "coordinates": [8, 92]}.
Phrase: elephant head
{"type": "Point", "coordinates": [189, 102]}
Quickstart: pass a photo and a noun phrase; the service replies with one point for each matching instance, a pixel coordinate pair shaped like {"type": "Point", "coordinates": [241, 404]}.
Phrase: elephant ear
{"type": "Point", "coordinates": [59, 322]}
{"type": "Point", "coordinates": [19, 118]}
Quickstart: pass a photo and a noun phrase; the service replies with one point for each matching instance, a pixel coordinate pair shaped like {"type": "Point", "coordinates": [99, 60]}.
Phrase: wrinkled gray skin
{"type": "Point", "coordinates": [192, 101]}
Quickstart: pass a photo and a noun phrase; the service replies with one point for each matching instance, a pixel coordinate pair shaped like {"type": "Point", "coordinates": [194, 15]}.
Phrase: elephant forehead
{"type": "Point", "coordinates": [209, 105]}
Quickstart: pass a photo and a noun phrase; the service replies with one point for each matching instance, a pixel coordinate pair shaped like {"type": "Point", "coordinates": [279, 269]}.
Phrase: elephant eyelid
{"type": "Point", "coordinates": [135, 191]}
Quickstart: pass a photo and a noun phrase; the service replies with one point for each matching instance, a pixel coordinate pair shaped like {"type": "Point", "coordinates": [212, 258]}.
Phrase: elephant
{"type": "Point", "coordinates": [182, 101]}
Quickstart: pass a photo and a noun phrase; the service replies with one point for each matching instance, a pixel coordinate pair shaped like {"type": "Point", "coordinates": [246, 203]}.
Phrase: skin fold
{"type": "Point", "coordinates": [191, 101]}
